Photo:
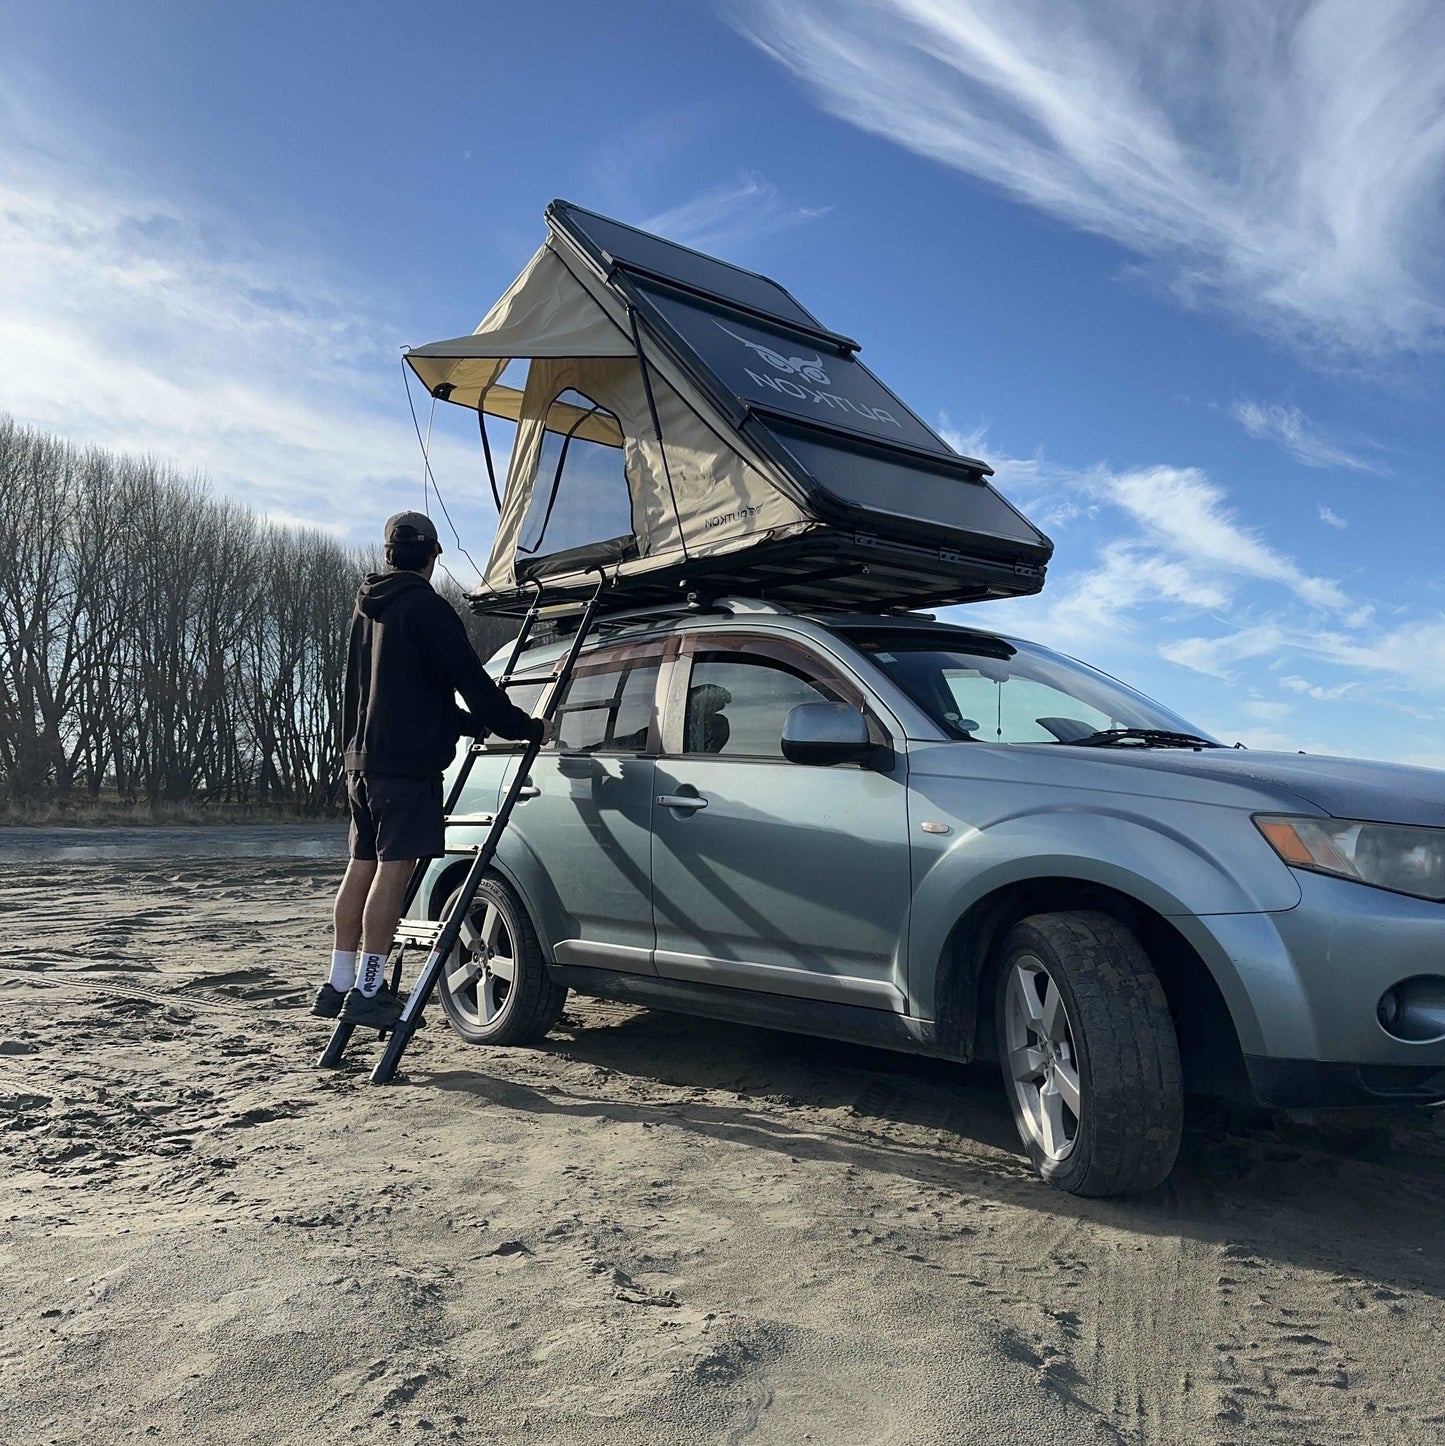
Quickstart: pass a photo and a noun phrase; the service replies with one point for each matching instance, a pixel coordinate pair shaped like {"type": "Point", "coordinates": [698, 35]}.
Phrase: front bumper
{"type": "Point", "coordinates": [1322, 1084]}
{"type": "Point", "coordinates": [1303, 986]}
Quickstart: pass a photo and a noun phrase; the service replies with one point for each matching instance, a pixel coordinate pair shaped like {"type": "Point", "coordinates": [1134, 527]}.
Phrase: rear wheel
{"type": "Point", "coordinates": [495, 988]}
{"type": "Point", "coordinates": [1089, 1054]}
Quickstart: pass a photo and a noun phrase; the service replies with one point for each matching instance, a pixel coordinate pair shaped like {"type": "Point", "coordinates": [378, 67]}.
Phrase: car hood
{"type": "Point", "coordinates": [1344, 787]}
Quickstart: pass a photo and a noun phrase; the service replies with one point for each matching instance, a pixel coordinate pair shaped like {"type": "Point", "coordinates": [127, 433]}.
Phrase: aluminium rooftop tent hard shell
{"type": "Point", "coordinates": [687, 426]}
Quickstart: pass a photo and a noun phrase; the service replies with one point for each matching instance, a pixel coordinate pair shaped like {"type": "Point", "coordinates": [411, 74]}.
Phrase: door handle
{"type": "Point", "coordinates": [528, 790]}
{"type": "Point", "coordinates": [681, 800]}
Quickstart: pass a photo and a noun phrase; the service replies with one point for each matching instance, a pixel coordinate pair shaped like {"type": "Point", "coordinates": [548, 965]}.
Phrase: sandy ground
{"type": "Point", "coordinates": [653, 1229]}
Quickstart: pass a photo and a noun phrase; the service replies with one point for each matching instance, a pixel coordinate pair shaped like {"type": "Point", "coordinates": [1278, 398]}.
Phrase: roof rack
{"type": "Point", "coordinates": [563, 620]}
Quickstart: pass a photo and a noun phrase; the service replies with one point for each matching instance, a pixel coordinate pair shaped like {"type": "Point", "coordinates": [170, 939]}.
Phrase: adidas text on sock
{"type": "Point", "coordinates": [369, 971]}
{"type": "Point", "coordinates": [343, 969]}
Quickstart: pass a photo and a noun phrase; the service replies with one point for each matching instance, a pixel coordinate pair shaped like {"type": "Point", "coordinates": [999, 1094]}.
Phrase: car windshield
{"type": "Point", "coordinates": [992, 690]}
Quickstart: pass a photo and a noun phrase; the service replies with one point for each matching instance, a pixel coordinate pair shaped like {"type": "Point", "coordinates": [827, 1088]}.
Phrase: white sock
{"type": "Point", "coordinates": [369, 971]}
{"type": "Point", "coordinates": [343, 969]}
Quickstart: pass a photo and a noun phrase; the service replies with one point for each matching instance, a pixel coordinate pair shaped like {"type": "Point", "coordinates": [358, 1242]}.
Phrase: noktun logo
{"type": "Point", "coordinates": [798, 370]}
{"type": "Point", "coordinates": [811, 371]}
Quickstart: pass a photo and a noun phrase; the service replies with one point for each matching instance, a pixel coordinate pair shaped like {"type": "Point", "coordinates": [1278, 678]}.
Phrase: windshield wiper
{"type": "Point", "coordinates": [1150, 737]}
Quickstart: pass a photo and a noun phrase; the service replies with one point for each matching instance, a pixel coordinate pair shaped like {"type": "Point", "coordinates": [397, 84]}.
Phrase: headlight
{"type": "Point", "coordinates": [1390, 856]}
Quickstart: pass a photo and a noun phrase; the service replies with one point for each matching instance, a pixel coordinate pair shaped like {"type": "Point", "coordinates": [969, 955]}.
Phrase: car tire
{"type": "Point", "coordinates": [1089, 1054]}
{"type": "Point", "coordinates": [480, 1001]}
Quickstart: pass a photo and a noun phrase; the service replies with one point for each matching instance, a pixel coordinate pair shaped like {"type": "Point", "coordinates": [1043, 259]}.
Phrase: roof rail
{"type": "Point", "coordinates": [738, 605]}
{"type": "Point", "coordinates": [562, 623]}
{"type": "Point", "coordinates": [563, 626]}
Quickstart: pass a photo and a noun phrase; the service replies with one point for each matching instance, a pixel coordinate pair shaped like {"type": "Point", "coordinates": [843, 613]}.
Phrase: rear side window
{"type": "Point", "coordinates": [608, 706]}
{"type": "Point", "coordinates": [736, 707]}
{"type": "Point", "coordinates": [526, 693]}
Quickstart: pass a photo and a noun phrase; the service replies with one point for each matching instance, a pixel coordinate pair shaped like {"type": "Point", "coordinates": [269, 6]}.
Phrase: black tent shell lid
{"type": "Point", "coordinates": [686, 299]}
{"type": "Point", "coordinates": [610, 244]}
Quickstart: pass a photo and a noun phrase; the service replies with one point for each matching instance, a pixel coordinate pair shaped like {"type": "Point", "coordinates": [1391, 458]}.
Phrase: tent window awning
{"type": "Point", "coordinates": [544, 313]}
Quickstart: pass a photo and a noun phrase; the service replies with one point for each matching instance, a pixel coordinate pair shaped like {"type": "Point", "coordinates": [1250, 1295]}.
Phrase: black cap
{"type": "Point", "coordinates": [409, 527]}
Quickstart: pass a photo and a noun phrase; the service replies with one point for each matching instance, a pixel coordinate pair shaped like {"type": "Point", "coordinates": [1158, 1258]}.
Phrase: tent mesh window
{"type": "Point", "coordinates": [581, 497]}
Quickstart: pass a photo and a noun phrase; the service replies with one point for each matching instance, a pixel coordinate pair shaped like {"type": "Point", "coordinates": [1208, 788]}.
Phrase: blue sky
{"type": "Point", "coordinates": [1173, 270]}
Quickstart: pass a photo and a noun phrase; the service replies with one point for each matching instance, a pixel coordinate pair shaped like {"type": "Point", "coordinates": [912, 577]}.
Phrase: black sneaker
{"type": "Point", "coordinates": [380, 1011]}
{"type": "Point", "coordinates": [328, 1001]}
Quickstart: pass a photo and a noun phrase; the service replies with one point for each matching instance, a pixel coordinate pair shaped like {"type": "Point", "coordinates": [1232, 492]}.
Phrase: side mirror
{"type": "Point", "coordinates": [825, 733]}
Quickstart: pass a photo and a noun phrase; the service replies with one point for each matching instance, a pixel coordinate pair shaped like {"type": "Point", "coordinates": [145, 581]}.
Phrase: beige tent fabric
{"type": "Point", "coordinates": [575, 340]}
{"type": "Point", "coordinates": [543, 313]}
{"type": "Point", "coordinates": [723, 502]}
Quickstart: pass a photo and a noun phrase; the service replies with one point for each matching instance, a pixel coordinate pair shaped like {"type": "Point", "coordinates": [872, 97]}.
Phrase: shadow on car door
{"type": "Point", "coordinates": [580, 840]}
{"type": "Point", "coordinates": [770, 875]}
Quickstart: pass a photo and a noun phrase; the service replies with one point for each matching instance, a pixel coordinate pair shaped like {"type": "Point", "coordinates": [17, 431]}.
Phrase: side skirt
{"type": "Point", "coordinates": [877, 1027]}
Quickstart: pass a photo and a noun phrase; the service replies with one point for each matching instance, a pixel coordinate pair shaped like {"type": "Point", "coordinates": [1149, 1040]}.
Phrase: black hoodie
{"type": "Point", "coordinates": [408, 658]}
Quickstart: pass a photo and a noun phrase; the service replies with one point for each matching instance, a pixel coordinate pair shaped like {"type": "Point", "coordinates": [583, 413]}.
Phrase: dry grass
{"type": "Point", "coordinates": [113, 812]}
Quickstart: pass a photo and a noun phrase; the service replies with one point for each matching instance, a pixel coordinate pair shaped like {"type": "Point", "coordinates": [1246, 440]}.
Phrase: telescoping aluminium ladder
{"type": "Point", "coordinates": [443, 934]}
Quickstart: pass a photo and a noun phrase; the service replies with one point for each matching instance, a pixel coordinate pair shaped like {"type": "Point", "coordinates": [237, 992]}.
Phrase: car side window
{"type": "Point", "coordinates": [736, 706]}
{"type": "Point", "coordinates": [526, 693]}
{"type": "Point", "coordinates": [608, 705]}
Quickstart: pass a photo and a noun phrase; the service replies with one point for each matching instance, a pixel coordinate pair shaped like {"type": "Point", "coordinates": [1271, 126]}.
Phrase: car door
{"type": "Point", "coordinates": [579, 843]}
{"type": "Point", "coordinates": [767, 874]}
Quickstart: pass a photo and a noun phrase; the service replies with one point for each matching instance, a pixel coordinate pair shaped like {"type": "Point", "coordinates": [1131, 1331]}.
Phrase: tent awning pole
{"type": "Point", "coordinates": [656, 425]}
{"type": "Point", "coordinates": [487, 453]}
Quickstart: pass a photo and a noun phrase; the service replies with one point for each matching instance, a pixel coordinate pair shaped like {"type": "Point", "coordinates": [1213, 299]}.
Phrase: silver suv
{"type": "Point", "coordinates": [931, 838]}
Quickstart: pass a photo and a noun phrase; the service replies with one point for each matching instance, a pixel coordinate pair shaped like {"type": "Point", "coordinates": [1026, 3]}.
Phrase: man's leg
{"type": "Point", "coordinates": [346, 912]}
{"type": "Point", "coordinates": [409, 826]}
{"type": "Point", "coordinates": [378, 921]}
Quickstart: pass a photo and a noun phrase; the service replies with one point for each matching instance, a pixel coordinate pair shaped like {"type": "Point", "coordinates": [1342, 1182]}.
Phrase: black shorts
{"type": "Point", "coordinates": [395, 818]}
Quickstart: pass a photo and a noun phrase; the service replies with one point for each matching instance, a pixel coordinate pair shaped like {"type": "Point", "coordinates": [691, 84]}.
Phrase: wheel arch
{"type": "Point", "coordinates": [968, 971]}
{"type": "Point", "coordinates": [441, 884]}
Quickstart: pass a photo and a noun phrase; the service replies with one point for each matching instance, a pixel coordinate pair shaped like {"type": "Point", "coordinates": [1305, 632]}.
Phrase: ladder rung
{"type": "Point", "coordinates": [470, 820]}
{"type": "Point", "coordinates": [418, 931]}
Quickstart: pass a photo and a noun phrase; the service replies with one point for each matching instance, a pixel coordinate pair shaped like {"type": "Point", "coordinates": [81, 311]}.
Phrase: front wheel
{"type": "Point", "coordinates": [1089, 1054]}
{"type": "Point", "coordinates": [494, 987]}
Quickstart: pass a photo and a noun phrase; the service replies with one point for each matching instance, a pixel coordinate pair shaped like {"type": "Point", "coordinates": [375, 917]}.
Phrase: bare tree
{"type": "Point", "coordinates": [161, 643]}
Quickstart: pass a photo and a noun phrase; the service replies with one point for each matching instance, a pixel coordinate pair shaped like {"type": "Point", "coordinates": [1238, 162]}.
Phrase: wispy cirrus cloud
{"type": "Point", "coordinates": [1287, 159]}
{"type": "Point", "coordinates": [1296, 435]}
{"type": "Point", "coordinates": [730, 214]}
{"type": "Point", "coordinates": [1409, 655]}
{"type": "Point", "coordinates": [1331, 518]}
{"type": "Point", "coordinates": [1170, 537]}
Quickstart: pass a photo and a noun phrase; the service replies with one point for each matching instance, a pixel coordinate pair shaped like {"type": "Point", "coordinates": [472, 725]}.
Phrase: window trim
{"type": "Point", "coordinates": [638, 652]}
{"type": "Point", "coordinates": [810, 664]}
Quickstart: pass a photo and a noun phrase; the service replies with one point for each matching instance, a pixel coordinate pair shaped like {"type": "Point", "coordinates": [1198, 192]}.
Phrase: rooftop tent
{"type": "Point", "coordinates": [688, 426]}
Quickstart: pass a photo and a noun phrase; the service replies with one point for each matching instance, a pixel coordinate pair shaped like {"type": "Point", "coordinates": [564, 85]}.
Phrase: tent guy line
{"type": "Point", "coordinates": [428, 474]}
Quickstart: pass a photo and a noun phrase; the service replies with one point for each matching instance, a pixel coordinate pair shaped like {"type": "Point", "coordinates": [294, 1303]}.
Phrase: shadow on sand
{"type": "Point", "coordinates": [1360, 1195]}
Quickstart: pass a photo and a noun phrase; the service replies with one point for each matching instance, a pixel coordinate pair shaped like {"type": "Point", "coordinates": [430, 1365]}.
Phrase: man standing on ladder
{"type": "Point", "coordinates": [407, 660]}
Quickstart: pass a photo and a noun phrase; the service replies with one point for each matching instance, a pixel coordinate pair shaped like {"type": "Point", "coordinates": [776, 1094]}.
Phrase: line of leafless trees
{"type": "Point", "coordinates": [159, 644]}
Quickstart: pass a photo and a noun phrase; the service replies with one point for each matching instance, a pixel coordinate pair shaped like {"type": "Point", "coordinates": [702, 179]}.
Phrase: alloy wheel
{"type": "Point", "coordinates": [1043, 1063]}
{"type": "Point", "coordinates": [483, 965]}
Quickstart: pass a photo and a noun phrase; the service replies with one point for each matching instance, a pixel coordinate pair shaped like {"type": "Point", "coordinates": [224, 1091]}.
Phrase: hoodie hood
{"type": "Point", "coordinates": [381, 589]}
